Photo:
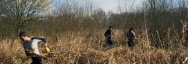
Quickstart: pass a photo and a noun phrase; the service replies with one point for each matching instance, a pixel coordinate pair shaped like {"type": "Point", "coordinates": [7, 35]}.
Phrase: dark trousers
{"type": "Point", "coordinates": [131, 43]}
{"type": "Point", "coordinates": [36, 60]}
{"type": "Point", "coordinates": [109, 41]}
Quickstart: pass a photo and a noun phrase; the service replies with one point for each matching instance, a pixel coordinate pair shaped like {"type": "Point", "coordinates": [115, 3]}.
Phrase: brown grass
{"type": "Point", "coordinates": [86, 47]}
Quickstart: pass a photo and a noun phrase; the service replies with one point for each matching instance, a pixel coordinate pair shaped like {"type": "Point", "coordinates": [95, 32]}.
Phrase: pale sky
{"type": "Point", "coordinates": [110, 5]}
{"type": "Point", "coordinates": [113, 5]}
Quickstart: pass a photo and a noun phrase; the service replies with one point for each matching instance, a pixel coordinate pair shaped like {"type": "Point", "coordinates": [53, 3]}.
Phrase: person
{"type": "Point", "coordinates": [31, 47]}
{"type": "Point", "coordinates": [109, 36]}
{"type": "Point", "coordinates": [131, 36]}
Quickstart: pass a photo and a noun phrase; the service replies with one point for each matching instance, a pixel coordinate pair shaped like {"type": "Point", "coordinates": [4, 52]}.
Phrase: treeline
{"type": "Point", "coordinates": [162, 22]}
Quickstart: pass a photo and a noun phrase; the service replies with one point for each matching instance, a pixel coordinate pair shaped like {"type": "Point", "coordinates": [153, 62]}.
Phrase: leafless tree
{"type": "Point", "coordinates": [18, 13]}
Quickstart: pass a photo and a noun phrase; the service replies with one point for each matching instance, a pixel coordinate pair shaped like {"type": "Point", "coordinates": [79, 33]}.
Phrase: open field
{"type": "Point", "coordinates": [75, 34]}
{"type": "Point", "coordinates": [86, 47]}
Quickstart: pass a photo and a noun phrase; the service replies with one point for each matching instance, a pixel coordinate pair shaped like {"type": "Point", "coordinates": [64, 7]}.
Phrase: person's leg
{"type": "Point", "coordinates": [129, 43]}
{"type": "Point", "coordinates": [106, 39]}
{"type": "Point", "coordinates": [132, 43]}
{"type": "Point", "coordinates": [110, 41]}
{"type": "Point", "coordinates": [36, 60]}
{"type": "Point", "coordinates": [33, 60]}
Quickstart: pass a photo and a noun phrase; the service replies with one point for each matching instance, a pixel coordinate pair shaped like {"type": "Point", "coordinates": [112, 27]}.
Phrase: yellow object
{"type": "Point", "coordinates": [47, 49]}
{"type": "Point", "coordinates": [30, 51]}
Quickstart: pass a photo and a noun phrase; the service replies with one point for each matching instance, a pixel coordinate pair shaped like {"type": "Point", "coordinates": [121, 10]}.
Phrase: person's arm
{"type": "Point", "coordinates": [26, 49]}
{"type": "Point", "coordinates": [40, 56]}
{"type": "Point", "coordinates": [107, 33]}
{"type": "Point", "coordinates": [35, 44]}
{"type": "Point", "coordinates": [30, 52]}
{"type": "Point", "coordinates": [134, 34]}
{"type": "Point", "coordinates": [43, 40]}
{"type": "Point", "coordinates": [45, 44]}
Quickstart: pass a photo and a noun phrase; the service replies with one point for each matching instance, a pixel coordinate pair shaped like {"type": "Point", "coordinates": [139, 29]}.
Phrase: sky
{"type": "Point", "coordinates": [113, 5]}
{"type": "Point", "coordinates": [109, 5]}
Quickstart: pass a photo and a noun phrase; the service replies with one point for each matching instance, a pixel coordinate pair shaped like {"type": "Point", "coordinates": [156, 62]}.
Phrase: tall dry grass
{"type": "Point", "coordinates": [75, 36]}
{"type": "Point", "coordinates": [86, 47]}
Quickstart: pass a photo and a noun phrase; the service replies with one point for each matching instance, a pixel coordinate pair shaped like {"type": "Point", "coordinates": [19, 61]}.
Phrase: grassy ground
{"type": "Point", "coordinates": [85, 47]}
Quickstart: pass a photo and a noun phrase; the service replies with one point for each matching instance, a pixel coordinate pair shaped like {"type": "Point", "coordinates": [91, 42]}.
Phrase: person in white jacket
{"type": "Point", "coordinates": [31, 47]}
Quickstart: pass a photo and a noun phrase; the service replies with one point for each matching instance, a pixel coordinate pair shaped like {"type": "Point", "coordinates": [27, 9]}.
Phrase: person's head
{"type": "Point", "coordinates": [130, 29]}
{"type": "Point", "coordinates": [23, 36]}
{"type": "Point", "coordinates": [110, 27]}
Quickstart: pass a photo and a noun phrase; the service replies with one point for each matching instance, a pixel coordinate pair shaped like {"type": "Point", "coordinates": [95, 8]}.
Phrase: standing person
{"type": "Point", "coordinates": [108, 36]}
{"type": "Point", "coordinates": [31, 47]}
{"type": "Point", "coordinates": [131, 36]}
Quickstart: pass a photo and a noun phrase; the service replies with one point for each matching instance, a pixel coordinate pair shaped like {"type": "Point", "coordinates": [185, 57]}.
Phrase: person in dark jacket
{"type": "Point", "coordinates": [131, 37]}
{"type": "Point", "coordinates": [108, 36]}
